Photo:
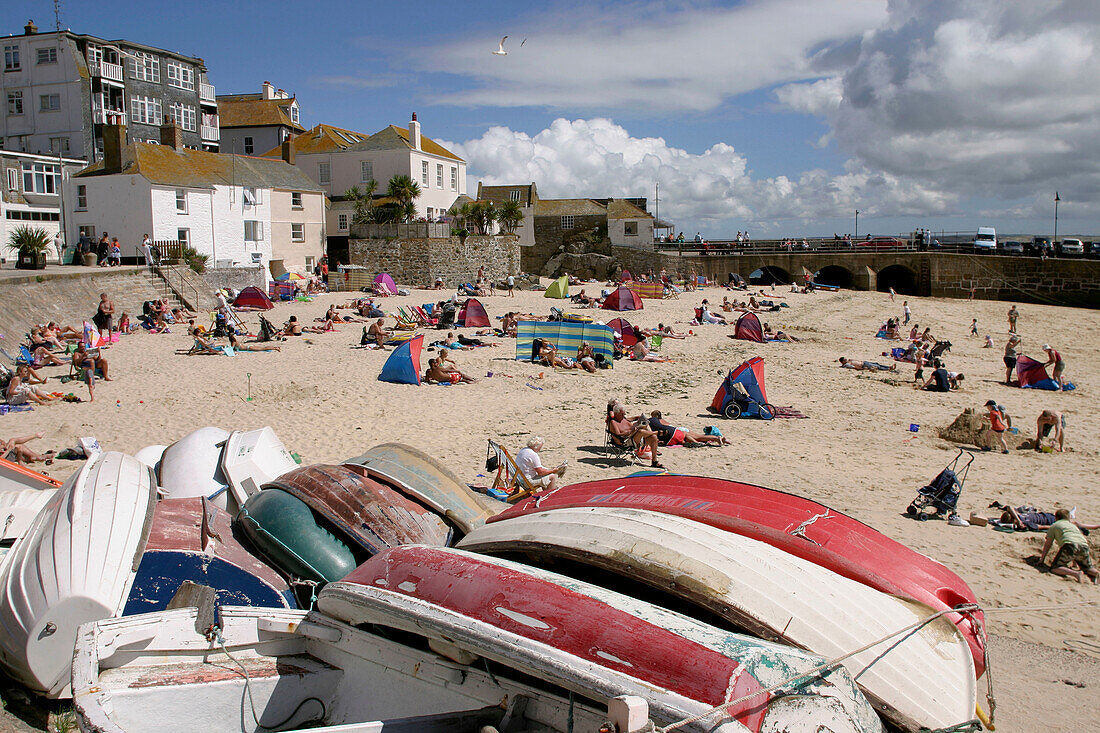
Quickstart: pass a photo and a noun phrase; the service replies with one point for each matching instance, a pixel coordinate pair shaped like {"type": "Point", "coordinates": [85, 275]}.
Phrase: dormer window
{"type": "Point", "coordinates": [294, 113]}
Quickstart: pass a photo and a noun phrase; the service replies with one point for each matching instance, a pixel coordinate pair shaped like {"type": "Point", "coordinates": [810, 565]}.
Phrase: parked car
{"type": "Point", "coordinates": [986, 239]}
{"type": "Point", "coordinates": [1071, 248]}
{"type": "Point", "coordinates": [1012, 247]}
{"type": "Point", "coordinates": [1037, 245]}
{"type": "Point", "coordinates": [882, 243]}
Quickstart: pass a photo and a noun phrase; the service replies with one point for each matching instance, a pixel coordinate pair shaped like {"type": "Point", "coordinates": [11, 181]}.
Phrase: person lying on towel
{"type": "Point", "coordinates": [668, 434]}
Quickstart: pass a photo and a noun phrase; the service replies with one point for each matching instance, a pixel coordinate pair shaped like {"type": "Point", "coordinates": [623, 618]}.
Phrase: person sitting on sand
{"type": "Point", "coordinates": [376, 334]}
{"type": "Point", "coordinates": [914, 332]}
{"type": "Point", "coordinates": [938, 380]}
{"type": "Point", "coordinates": [582, 299]}
{"type": "Point", "coordinates": [45, 337]}
{"type": "Point", "coordinates": [69, 333]}
{"type": "Point", "coordinates": [708, 317]}
{"type": "Point", "coordinates": [927, 337]}
{"type": "Point", "coordinates": [892, 333]}
{"type": "Point", "coordinates": [586, 357]}
{"type": "Point", "coordinates": [669, 332]}
{"type": "Point", "coordinates": [21, 390]}
{"type": "Point", "coordinates": [42, 356]}
{"type": "Point", "coordinates": [548, 355]}
{"type": "Point", "coordinates": [1050, 420]}
{"type": "Point", "coordinates": [291, 328]}
{"type": "Point", "coordinates": [988, 342]}
{"type": "Point", "coordinates": [509, 324]}
{"type": "Point", "coordinates": [1073, 548]}
{"type": "Point", "coordinates": [440, 371]}
{"type": "Point", "coordinates": [204, 345]}
{"type": "Point", "coordinates": [251, 346]}
{"type": "Point", "coordinates": [727, 306]}
{"type": "Point", "coordinates": [869, 366]}
{"type": "Point", "coordinates": [16, 450]}
{"type": "Point", "coordinates": [668, 434]}
{"type": "Point", "coordinates": [641, 351]}
{"type": "Point", "coordinates": [632, 430]}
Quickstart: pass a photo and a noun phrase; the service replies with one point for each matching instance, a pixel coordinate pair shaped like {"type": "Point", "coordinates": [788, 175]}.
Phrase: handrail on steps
{"type": "Point", "coordinates": [165, 273]}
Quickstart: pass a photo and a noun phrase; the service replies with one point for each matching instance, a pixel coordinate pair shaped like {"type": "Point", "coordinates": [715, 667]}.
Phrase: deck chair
{"type": "Point", "coordinates": [617, 447]}
{"type": "Point", "coordinates": [508, 477]}
{"type": "Point", "coordinates": [655, 343]}
{"type": "Point", "coordinates": [423, 316]}
{"type": "Point", "coordinates": [402, 323]}
{"type": "Point", "coordinates": [938, 349]}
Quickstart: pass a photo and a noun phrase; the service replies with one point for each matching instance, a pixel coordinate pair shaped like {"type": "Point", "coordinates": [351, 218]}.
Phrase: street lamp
{"type": "Point", "coordinates": [856, 234]}
{"type": "Point", "coordinates": [1056, 200]}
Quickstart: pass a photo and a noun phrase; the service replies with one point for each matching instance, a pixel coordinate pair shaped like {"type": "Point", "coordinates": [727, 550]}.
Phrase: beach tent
{"type": "Point", "coordinates": [403, 366]}
{"type": "Point", "coordinates": [648, 290]}
{"type": "Point", "coordinates": [567, 336]}
{"type": "Point", "coordinates": [1031, 374]}
{"type": "Point", "coordinates": [558, 289]}
{"type": "Point", "coordinates": [625, 277]}
{"type": "Point", "coordinates": [253, 297]}
{"type": "Point", "coordinates": [473, 314]}
{"type": "Point", "coordinates": [623, 299]}
{"type": "Point", "coordinates": [622, 327]}
{"type": "Point", "coordinates": [750, 375]}
{"type": "Point", "coordinates": [385, 281]}
{"type": "Point", "coordinates": [748, 328]}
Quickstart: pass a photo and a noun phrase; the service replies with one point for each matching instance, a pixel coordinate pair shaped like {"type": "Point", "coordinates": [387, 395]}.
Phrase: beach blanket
{"type": "Point", "coordinates": [788, 412]}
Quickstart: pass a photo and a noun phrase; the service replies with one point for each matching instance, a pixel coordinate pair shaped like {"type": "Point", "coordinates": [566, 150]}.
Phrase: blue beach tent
{"type": "Point", "coordinates": [403, 366]}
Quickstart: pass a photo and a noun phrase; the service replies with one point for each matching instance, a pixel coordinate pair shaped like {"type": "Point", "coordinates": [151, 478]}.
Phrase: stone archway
{"type": "Point", "coordinates": [770, 275]}
{"type": "Point", "coordinates": [899, 277]}
{"type": "Point", "coordinates": [835, 275]}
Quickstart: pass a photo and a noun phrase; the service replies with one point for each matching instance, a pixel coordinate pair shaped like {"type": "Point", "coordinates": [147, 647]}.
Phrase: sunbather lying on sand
{"type": "Point", "coordinates": [778, 335]}
{"type": "Point", "coordinates": [15, 449]}
{"type": "Point", "coordinates": [668, 434]}
{"type": "Point", "coordinates": [869, 366]}
{"type": "Point", "coordinates": [251, 346]}
{"type": "Point", "coordinates": [1025, 518]}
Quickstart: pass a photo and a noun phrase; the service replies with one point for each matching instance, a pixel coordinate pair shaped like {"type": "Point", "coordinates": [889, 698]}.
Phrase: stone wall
{"type": "Point", "coordinates": [1024, 279]}
{"type": "Point", "coordinates": [549, 237]}
{"type": "Point", "coordinates": [237, 278]}
{"type": "Point", "coordinates": [417, 262]}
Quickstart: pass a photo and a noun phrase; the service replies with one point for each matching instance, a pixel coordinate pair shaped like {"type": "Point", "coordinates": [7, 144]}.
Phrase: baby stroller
{"type": "Point", "coordinates": [942, 495]}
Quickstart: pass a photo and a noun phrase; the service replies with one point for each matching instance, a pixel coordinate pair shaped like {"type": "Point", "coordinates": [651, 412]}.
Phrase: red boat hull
{"type": "Point", "coordinates": [794, 524]}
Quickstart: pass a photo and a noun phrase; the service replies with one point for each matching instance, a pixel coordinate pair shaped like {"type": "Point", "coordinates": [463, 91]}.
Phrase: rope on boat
{"type": "Point", "coordinates": [800, 530]}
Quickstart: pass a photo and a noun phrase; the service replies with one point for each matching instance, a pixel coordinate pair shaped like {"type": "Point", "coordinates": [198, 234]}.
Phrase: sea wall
{"type": "Point", "coordinates": [418, 262]}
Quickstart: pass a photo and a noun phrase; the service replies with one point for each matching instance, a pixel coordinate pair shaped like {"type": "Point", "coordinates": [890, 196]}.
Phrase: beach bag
{"type": "Point", "coordinates": [712, 430]}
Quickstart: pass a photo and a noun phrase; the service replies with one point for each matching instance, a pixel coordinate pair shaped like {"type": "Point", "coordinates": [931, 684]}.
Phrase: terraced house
{"type": "Point", "coordinates": [252, 124]}
{"type": "Point", "coordinates": [60, 89]}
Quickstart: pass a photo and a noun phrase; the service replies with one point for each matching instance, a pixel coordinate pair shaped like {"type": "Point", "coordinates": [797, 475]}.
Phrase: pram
{"type": "Point", "coordinates": [942, 494]}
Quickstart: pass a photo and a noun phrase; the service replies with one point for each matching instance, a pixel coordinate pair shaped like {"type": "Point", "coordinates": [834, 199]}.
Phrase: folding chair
{"type": "Point", "coordinates": [402, 324]}
{"type": "Point", "coordinates": [655, 342]}
{"type": "Point", "coordinates": [509, 477]}
{"type": "Point", "coordinates": [618, 447]}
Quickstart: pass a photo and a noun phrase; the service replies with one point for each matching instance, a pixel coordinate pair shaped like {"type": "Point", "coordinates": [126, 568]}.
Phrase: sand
{"type": "Point", "coordinates": [855, 453]}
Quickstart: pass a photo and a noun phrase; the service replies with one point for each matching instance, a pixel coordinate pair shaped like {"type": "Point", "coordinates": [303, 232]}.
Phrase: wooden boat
{"type": "Point", "coordinates": [789, 522]}
{"type": "Point", "coordinates": [923, 678]}
{"type": "Point", "coordinates": [75, 564]}
{"type": "Point", "coordinates": [371, 515]}
{"type": "Point", "coordinates": [423, 479]}
{"type": "Point", "coordinates": [505, 647]}
{"type": "Point", "coordinates": [192, 540]}
{"type": "Point", "coordinates": [252, 458]}
{"type": "Point", "coordinates": [192, 467]}
{"type": "Point", "coordinates": [17, 477]}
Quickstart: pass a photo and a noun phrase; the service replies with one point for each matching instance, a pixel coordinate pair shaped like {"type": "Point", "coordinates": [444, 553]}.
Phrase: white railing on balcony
{"type": "Point", "coordinates": [108, 116]}
{"type": "Point", "coordinates": [209, 132]}
{"type": "Point", "coordinates": [107, 70]}
{"type": "Point", "coordinates": [206, 92]}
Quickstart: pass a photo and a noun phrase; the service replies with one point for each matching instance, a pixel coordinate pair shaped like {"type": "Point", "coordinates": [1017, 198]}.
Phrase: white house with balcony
{"type": "Point", "coordinates": [237, 210]}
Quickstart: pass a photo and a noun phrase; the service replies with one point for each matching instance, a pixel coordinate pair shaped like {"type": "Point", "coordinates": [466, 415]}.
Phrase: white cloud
{"type": "Point", "coordinates": [646, 57]}
{"type": "Point", "coordinates": [599, 158]}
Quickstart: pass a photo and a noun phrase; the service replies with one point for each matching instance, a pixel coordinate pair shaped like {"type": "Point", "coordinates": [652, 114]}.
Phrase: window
{"type": "Point", "coordinates": [567, 222]}
{"type": "Point", "coordinates": [184, 237]}
{"type": "Point", "coordinates": [49, 102]}
{"type": "Point", "coordinates": [251, 196]}
{"type": "Point", "coordinates": [145, 67]}
{"type": "Point", "coordinates": [13, 179]}
{"type": "Point", "coordinates": [297, 233]}
{"type": "Point", "coordinates": [324, 173]}
{"type": "Point", "coordinates": [342, 222]}
{"type": "Point", "coordinates": [630, 228]}
{"type": "Point", "coordinates": [296, 199]}
{"type": "Point", "coordinates": [59, 144]}
{"type": "Point", "coordinates": [181, 200]}
{"type": "Point", "coordinates": [294, 113]}
{"type": "Point", "coordinates": [424, 172]}
{"type": "Point", "coordinates": [180, 75]}
{"type": "Point", "coordinates": [249, 147]}
{"type": "Point", "coordinates": [15, 103]}
{"type": "Point", "coordinates": [88, 230]}
{"type": "Point", "coordinates": [184, 115]}
{"type": "Point", "coordinates": [47, 56]}
{"type": "Point", "coordinates": [366, 171]}
{"type": "Point", "coordinates": [430, 210]}
{"type": "Point", "coordinates": [253, 231]}
{"type": "Point", "coordinates": [454, 178]}
{"type": "Point", "coordinates": [146, 110]}
{"type": "Point", "coordinates": [515, 195]}
{"type": "Point", "coordinates": [82, 198]}
{"type": "Point", "coordinates": [11, 58]}
{"type": "Point", "coordinates": [41, 178]}
{"type": "Point", "coordinates": [439, 175]}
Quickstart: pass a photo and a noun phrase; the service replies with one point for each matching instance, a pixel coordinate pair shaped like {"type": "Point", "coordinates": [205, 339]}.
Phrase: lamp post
{"type": "Point", "coordinates": [1056, 200]}
{"type": "Point", "coordinates": [855, 235]}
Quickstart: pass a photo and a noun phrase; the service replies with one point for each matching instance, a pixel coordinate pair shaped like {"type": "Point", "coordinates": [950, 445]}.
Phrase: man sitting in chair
{"type": "Point", "coordinates": [528, 461]}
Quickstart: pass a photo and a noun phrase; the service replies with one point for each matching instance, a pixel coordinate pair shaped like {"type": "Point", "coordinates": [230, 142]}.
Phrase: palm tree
{"type": "Point", "coordinates": [404, 190]}
{"type": "Point", "coordinates": [406, 211]}
{"type": "Point", "coordinates": [460, 214]}
{"type": "Point", "coordinates": [363, 201]}
{"type": "Point", "coordinates": [510, 216]}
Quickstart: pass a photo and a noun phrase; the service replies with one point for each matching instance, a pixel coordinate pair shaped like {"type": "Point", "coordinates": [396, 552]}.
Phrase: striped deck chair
{"type": "Point", "coordinates": [423, 316]}
{"type": "Point", "coordinates": [509, 477]}
{"type": "Point", "coordinates": [402, 323]}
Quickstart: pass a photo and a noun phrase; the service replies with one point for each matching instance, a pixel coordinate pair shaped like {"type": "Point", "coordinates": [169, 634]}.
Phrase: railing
{"type": "Point", "coordinates": [108, 116]}
{"type": "Point", "coordinates": [733, 248]}
{"type": "Point", "coordinates": [210, 132]}
{"type": "Point", "coordinates": [106, 70]}
{"type": "Point", "coordinates": [206, 92]}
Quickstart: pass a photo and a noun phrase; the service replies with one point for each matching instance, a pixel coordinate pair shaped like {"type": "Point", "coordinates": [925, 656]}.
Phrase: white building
{"type": "Point", "coordinates": [236, 209]}
{"type": "Point", "coordinates": [252, 124]}
{"type": "Point", "coordinates": [32, 195]}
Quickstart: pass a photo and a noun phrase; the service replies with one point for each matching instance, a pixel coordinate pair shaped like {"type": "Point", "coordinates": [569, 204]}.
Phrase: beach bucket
{"type": "Point", "coordinates": [913, 427]}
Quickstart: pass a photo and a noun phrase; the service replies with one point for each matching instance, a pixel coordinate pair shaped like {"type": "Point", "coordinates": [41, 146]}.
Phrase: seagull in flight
{"type": "Point", "coordinates": [500, 49]}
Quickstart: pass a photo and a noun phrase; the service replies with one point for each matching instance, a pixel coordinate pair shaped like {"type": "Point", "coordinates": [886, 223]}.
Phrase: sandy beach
{"type": "Point", "coordinates": [855, 452]}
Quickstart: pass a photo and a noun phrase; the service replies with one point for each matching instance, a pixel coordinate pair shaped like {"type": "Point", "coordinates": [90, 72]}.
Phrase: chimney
{"type": "Point", "coordinates": [414, 133]}
{"type": "Point", "coordinates": [288, 150]}
{"type": "Point", "coordinates": [30, 28]}
{"type": "Point", "coordinates": [269, 91]}
{"type": "Point", "coordinates": [171, 134]}
{"type": "Point", "coordinates": [281, 94]}
{"type": "Point", "coordinates": [114, 142]}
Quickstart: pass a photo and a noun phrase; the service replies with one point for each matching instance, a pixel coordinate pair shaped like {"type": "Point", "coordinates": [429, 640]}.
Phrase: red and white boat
{"type": "Point", "coordinates": [794, 524]}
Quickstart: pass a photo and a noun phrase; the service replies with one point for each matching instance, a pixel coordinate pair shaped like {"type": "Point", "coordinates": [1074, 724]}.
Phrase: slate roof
{"type": "Point", "coordinates": [569, 207]}
{"type": "Point", "coordinates": [246, 110]}
{"type": "Point", "coordinates": [187, 168]}
{"type": "Point", "coordinates": [620, 209]}
{"type": "Point", "coordinates": [321, 139]}
{"type": "Point", "coordinates": [500, 194]}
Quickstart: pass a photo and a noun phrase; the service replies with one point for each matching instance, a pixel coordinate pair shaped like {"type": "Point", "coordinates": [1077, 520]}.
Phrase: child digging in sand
{"type": "Point", "coordinates": [1073, 549]}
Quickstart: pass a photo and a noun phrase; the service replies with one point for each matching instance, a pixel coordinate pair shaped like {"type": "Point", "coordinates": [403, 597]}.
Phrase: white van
{"type": "Point", "coordinates": [986, 239]}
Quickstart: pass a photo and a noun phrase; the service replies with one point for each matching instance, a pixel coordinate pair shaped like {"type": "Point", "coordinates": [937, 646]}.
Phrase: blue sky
{"type": "Point", "coordinates": [781, 117]}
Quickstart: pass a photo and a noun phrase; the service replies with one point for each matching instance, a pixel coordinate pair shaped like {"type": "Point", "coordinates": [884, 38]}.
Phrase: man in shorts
{"type": "Point", "coordinates": [1073, 549]}
{"type": "Point", "coordinates": [528, 461]}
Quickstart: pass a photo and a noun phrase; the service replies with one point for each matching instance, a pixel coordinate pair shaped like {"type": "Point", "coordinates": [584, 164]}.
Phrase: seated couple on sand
{"type": "Point", "coordinates": [546, 353]}
{"type": "Point", "coordinates": [632, 432]}
{"type": "Point", "coordinates": [442, 370]}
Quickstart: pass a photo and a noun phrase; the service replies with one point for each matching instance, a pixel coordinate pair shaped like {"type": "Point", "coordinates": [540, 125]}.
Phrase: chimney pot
{"type": "Point", "coordinates": [171, 134]}
{"type": "Point", "coordinates": [414, 117]}
{"type": "Point", "coordinates": [30, 28]}
{"type": "Point", "coordinates": [414, 133]}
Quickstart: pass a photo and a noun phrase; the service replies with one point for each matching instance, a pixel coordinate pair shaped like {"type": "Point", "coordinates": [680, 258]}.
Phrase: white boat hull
{"type": "Point", "coordinates": [191, 467]}
{"type": "Point", "coordinates": [18, 510]}
{"type": "Point", "coordinates": [252, 458]}
{"type": "Point", "coordinates": [75, 564]}
{"type": "Point", "coordinates": [926, 679]}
